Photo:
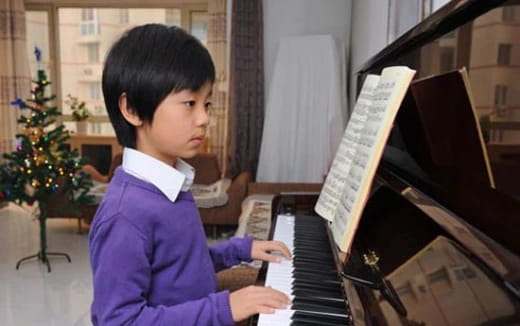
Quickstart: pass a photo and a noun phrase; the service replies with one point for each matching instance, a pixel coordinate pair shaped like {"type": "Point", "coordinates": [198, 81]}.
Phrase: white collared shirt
{"type": "Point", "coordinates": [170, 180]}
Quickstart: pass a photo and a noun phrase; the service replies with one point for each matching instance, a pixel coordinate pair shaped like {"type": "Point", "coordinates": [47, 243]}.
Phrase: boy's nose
{"type": "Point", "coordinates": [203, 117]}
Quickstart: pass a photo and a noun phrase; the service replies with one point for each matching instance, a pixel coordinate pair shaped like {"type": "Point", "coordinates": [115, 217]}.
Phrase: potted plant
{"type": "Point", "coordinates": [80, 113]}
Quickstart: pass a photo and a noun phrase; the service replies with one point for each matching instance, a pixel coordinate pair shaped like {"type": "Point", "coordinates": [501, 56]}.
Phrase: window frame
{"type": "Point", "coordinates": [500, 98]}
{"type": "Point", "coordinates": [52, 7]}
{"type": "Point", "coordinates": [509, 14]}
{"type": "Point", "coordinates": [504, 54]}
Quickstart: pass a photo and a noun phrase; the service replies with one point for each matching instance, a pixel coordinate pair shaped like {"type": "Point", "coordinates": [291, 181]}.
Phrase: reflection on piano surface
{"type": "Point", "coordinates": [429, 250]}
{"type": "Point", "coordinates": [441, 274]}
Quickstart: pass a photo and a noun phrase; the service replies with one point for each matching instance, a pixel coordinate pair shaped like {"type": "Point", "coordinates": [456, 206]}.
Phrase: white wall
{"type": "Point", "coordinates": [369, 35]}
{"type": "Point", "coordinates": [302, 17]}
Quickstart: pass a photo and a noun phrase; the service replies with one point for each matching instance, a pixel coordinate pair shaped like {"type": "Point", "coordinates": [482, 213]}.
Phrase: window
{"type": "Point", "coordinates": [440, 275]}
{"type": "Point", "coordinates": [93, 52]}
{"type": "Point", "coordinates": [89, 29]}
{"type": "Point", "coordinates": [504, 54]}
{"type": "Point", "coordinates": [447, 58]}
{"type": "Point", "coordinates": [99, 110]}
{"type": "Point", "coordinates": [199, 25]}
{"type": "Point", "coordinates": [405, 289]}
{"type": "Point", "coordinates": [500, 95]}
{"type": "Point", "coordinates": [87, 14]}
{"type": "Point", "coordinates": [508, 14]}
{"type": "Point", "coordinates": [95, 91]}
{"type": "Point", "coordinates": [123, 16]}
{"type": "Point", "coordinates": [465, 273]}
{"type": "Point", "coordinates": [85, 35]}
{"type": "Point", "coordinates": [95, 128]}
{"type": "Point", "coordinates": [172, 17]}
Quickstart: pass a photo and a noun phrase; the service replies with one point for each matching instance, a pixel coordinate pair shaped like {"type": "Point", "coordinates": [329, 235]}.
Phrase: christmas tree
{"type": "Point", "coordinates": [42, 163]}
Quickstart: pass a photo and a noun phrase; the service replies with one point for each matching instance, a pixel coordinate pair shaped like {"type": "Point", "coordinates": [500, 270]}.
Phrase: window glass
{"type": "Point", "coordinates": [86, 34]}
{"type": "Point", "coordinates": [199, 25]}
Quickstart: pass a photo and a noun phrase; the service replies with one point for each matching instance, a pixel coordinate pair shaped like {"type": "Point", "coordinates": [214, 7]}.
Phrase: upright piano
{"type": "Point", "coordinates": [438, 244]}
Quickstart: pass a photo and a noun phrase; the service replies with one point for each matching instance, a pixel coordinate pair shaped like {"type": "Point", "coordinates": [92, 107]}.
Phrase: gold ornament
{"type": "Point", "coordinates": [34, 134]}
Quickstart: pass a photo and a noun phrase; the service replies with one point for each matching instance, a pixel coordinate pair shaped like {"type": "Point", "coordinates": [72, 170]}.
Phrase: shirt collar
{"type": "Point", "coordinates": [169, 180]}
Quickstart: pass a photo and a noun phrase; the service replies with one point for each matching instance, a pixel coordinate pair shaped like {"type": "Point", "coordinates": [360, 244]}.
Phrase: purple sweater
{"type": "Point", "coordinates": [150, 261]}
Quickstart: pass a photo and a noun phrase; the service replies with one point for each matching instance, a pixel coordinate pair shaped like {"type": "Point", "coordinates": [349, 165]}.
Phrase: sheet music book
{"type": "Point", "coordinates": [335, 182]}
{"type": "Point", "coordinates": [347, 185]}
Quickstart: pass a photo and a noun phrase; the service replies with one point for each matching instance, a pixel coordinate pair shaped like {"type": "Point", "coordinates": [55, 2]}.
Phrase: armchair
{"type": "Point", "coordinates": [208, 172]}
{"type": "Point", "coordinates": [56, 206]}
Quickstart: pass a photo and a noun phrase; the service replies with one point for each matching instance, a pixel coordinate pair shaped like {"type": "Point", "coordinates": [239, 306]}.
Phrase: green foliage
{"type": "Point", "coordinates": [42, 163]}
{"type": "Point", "coordinates": [79, 108]}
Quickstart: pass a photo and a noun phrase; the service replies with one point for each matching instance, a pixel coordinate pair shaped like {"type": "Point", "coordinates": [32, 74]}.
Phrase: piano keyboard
{"type": "Point", "coordinates": [310, 279]}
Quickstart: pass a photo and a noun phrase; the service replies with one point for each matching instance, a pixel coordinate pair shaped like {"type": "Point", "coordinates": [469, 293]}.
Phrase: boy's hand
{"type": "Point", "coordinates": [260, 250]}
{"type": "Point", "coordinates": [254, 300]}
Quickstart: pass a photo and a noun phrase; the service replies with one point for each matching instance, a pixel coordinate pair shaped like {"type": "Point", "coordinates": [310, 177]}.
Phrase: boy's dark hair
{"type": "Point", "coordinates": [147, 63]}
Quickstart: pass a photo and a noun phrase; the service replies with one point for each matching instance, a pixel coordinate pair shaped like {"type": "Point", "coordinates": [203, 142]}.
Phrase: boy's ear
{"type": "Point", "coordinates": [128, 113]}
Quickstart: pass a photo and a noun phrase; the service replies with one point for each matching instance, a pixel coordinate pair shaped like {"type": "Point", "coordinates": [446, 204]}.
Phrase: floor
{"type": "Point", "coordinates": [31, 295]}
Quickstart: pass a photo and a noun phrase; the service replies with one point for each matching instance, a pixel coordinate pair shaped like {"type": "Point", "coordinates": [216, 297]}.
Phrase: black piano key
{"type": "Point", "coordinates": [339, 304]}
{"type": "Point", "coordinates": [326, 274]}
{"type": "Point", "coordinates": [302, 316]}
{"type": "Point", "coordinates": [332, 284]}
{"type": "Point", "coordinates": [316, 286]}
{"type": "Point", "coordinates": [303, 275]}
{"type": "Point", "coordinates": [318, 308]}
{"type": "Point", "coordinates": [317, 260]}
{"type": "Point", "coordinates": [324, 290]}
{"type": "Point", "coordinates": [318, 293]}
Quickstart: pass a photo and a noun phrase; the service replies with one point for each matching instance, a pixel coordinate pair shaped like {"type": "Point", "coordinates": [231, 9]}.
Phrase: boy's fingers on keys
{"type": "Point", "coordinates": [279, 247]}
{"type": "Point", "coordinates": [265, 310]}
{"type": "Point", "coordinates": [277, 295]}
{"type": "Point", "coordinates": [284, 250]}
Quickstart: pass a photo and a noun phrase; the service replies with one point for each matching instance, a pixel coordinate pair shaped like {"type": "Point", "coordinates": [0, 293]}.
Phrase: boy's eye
{"type": "Point", "coordinates": [189, 104]}
{"type": "Point", "coordinates": [208, 106]}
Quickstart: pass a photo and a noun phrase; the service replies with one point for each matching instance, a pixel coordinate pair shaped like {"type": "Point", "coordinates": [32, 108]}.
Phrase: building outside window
{"type": "Point", "coordinates": [95, 91]}
{"type": "Point", "coordinates": [504, 54]}
{"type": "Point", "coordinates": [172, 17]}
{"type": "Point", "coordinates": [85, 35]}
{"type": "Point", "coordinates": [447, 58]}
{"type": "Point", "coordinates": [87, 14]}
{"type": "Point", "coordinates": [508, 14]}
{"type": "Point", "coordinates": [123, 16]}
{"type": "Point", "coordinates": [500, 96]}
{"type": "Point", "coordinates": [93, 52]}
{"type": "Point", "coordinates": [199, 26]}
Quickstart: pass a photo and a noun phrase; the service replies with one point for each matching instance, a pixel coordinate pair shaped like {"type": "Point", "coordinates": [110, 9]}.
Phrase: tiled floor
{"type": "Point", "coordinates": [31, 295]}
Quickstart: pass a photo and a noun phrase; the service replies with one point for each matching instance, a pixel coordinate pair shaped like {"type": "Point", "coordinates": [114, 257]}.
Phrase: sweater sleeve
{"type": "Point", "coordinates": [122, 276]}
{"type": "Point", "coordinates": [231, 253]}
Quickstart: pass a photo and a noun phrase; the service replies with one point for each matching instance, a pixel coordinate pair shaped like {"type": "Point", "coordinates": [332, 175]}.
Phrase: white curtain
{"type": "Point", "coordinates": [304, 116]}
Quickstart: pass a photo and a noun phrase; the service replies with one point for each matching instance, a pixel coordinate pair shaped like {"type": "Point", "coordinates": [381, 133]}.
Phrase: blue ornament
{"type": "Point", "coordinates": [19, 103]}
{"type": "Point", "coordinates": [38, 54]}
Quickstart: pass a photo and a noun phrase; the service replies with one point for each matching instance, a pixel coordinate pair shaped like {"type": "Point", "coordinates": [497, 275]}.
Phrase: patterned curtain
{"type": "Point", "coordinates": [14, 68]}
{"type": "Point", "coordinates": [246, 86]}
{"type": "Point", "coordinates": [217, 46]}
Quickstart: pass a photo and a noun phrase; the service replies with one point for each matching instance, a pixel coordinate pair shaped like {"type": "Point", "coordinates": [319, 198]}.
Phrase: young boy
{"type": "Point", "coordinates": [148, 251]}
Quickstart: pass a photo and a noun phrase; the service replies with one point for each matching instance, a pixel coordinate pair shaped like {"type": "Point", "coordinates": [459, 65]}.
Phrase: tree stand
{"type": "Point", "coordinates": [43, 255]}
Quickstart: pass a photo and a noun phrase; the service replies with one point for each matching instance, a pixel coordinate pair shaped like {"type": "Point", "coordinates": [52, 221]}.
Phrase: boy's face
{"type": "Point", "coordinates": [179, 125]}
